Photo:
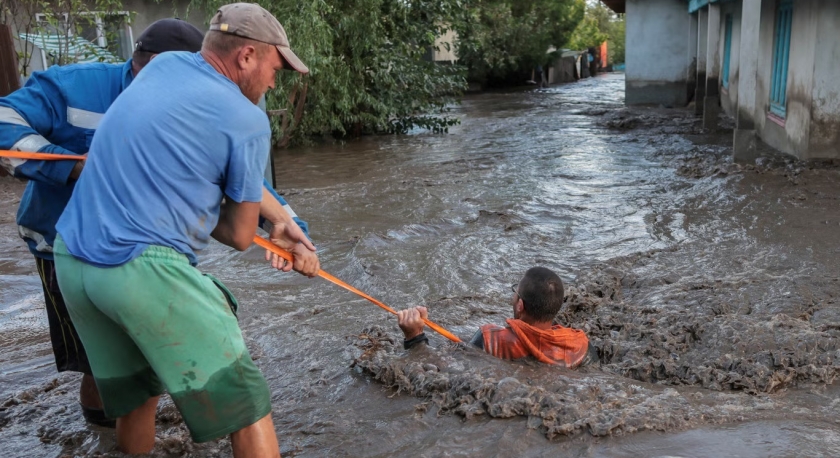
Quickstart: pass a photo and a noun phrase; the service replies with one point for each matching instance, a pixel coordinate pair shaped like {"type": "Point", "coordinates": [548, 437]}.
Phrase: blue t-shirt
{"type": "Point", "coordinates": [174, 143]}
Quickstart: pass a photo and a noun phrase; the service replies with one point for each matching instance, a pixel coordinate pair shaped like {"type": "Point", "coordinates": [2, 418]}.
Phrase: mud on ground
{"type": "Point", "coordinates": [733, 320]}
{"type": "Point", "coordinates": [708, 288]}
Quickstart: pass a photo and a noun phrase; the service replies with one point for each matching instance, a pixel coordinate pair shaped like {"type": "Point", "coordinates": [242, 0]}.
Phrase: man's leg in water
{"type": "Point", "coordinates": [67, 347]}
{"type": "Point", "coordinates": [129, 386]}
{"type": "Point", "coordinates": [89, 394]}
{"type": "Point", "coordinates": [136, 431]}
{"type": "Point", "coordinates": [258, 440]}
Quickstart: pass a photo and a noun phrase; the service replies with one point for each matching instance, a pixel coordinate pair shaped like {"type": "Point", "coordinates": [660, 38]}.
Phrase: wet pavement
{"type": "Point", "coordinates": [708, 287]}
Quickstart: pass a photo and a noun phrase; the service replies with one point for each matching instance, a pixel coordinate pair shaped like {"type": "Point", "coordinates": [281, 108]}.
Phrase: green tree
{"type": "Point", "coordinates": [369, 71]}
{"type": "Point", "coordinates": [500, 40]}
{"type": "Point", "coordinates": [616, 41]}
{"type": "Point", "coordinates": [600, 24]}
{"type": "Point", "coordinates": [587, 34]}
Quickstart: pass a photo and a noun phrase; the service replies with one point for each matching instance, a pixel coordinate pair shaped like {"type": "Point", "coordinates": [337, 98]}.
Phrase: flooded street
{"type": "Point", "coordinates": [709, 288]}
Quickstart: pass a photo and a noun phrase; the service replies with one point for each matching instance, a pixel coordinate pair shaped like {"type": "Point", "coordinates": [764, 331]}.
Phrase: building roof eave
{"type": "Point", "coordinates": [616, 5]}
{"type": "Point", "coordinates": [694, 5]}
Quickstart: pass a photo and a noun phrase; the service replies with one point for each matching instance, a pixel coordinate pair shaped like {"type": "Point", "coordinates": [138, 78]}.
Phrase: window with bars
{"type": "Point", "coordinates": [727, 50]}
{"type": "Point", "coordinates": [781, 54]}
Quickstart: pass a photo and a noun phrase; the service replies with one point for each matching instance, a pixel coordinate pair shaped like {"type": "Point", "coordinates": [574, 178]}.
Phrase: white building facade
{"type": "Point", "coordinates": [773, 65]}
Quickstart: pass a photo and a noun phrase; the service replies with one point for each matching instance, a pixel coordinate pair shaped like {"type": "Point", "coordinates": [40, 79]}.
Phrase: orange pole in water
{"type": "Point", "coordinates": [326, 276]}
{"type": "Point", "coordinates": [257, 239]}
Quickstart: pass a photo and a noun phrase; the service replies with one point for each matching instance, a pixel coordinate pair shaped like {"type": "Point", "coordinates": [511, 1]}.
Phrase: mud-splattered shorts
{"type": "Point", "coordinates": [157, 323]}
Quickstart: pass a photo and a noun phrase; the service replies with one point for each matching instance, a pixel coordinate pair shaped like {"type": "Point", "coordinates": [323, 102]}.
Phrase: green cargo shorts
{"type": "Point", "coordinates": [157, 323]}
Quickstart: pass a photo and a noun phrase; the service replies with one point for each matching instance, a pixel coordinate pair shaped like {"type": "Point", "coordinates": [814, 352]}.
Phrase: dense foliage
{"type": "Point", "coordinates": [368, 71]}
{"type": "Point", "coordinates": [616, 33]}
{"type": "Point", "coordinates": [370, 62]}
{"type": "Point", "coordinates": [502, 40]}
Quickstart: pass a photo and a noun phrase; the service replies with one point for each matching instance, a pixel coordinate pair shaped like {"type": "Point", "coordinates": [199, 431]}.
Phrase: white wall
{"type": "Point", "coordinates": [792, 134]}
{"type": "Point", "coordinates": [825, 108]}
{"type": "Point", "coordinates": [657, 52]}
{"type": "Point", "coordinates": [801, 73]}
{"type": "Point", "coordinates": [440, 42]}
{"type": "Point", "coordinates": [811, 126]}
{"type": "Point", "coordinates": [729, 97]}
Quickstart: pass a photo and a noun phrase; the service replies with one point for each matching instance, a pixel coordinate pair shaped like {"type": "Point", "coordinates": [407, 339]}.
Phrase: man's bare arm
{"type": "Point", "coordinates": [237, 224]}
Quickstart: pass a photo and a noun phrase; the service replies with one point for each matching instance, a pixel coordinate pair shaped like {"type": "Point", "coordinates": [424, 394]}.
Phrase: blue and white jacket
{"type": "Point", "coordinates": [57, 111]}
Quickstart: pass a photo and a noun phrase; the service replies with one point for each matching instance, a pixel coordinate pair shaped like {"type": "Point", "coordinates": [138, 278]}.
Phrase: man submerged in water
{"type": "Point", "coordinates": [537, 299]}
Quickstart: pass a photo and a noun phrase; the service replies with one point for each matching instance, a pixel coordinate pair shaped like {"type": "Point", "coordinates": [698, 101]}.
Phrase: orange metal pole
{"type": "Point", "coordinates": [257, 239]}
{"type": "Point", "coordinates": [326, 276]}
{"type": "Point", "coordinates": [40, 156]}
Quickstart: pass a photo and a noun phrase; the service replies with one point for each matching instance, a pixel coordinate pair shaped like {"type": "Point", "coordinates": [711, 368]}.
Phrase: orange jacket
{"type": "Point", "coordinates": [558, 345]}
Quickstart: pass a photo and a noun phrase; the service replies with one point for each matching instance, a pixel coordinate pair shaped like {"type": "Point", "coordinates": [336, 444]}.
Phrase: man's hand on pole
{"type": "Point", "coordinates": [411, 321]}
{"type": "Point", "coordinates": [286, 234]}
{"type": "Point", "coordinates": [291, 238]}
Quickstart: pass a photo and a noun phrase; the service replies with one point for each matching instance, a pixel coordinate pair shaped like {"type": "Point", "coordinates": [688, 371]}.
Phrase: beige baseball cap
{"type": "Point", "coordinates": [249, 20]}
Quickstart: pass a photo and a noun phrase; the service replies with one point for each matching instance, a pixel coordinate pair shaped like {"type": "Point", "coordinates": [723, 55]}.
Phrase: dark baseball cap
{"type": "Point", "coordinates": [249, 20]}
{"type": "Point", "coordinates": [170, 34]}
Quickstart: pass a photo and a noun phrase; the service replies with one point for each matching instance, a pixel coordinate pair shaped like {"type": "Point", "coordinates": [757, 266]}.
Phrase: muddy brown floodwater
{"type": "Point", "coordinates": [709, 288]}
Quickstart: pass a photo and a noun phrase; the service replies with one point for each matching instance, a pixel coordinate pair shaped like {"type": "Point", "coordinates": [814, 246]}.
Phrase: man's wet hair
{"type": "Point", "coordinates": [541, 291]}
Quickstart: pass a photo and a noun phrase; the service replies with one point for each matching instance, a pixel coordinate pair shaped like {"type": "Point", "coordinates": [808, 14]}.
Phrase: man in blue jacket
{"type": "Point", "coordinates": [58, 111]}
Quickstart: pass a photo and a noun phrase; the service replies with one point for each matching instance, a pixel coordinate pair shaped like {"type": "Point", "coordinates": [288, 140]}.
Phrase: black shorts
{"type": "Point", "coordinates": [67, 347]}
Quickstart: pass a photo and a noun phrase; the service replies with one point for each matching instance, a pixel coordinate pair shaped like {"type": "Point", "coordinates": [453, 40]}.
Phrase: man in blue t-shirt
{"type": "Point", "coordinates": [57, 111]}
{"type": "Point", "coordinates": [186, 150]}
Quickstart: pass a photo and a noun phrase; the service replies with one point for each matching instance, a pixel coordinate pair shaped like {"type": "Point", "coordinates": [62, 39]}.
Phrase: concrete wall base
{"type": "Point", "coordinates": [669, 95]}
{"type": "Point", "coordinates": [745, 145]}
{"type": "Point", "coordinates": [700, 92]}
{"type": "Point", "coordinates": [711, 110]}
{"type": "Point", "coordinates": [699, 99]}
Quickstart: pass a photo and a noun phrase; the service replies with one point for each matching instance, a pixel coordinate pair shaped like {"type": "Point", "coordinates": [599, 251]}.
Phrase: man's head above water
{"type": "Point", "coordinates": [538, 297]}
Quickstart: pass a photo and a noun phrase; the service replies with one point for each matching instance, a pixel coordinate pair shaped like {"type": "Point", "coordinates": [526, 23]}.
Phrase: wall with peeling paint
{"type": "Point", "coordinates": [801, 75]}
{"type": "Point", "coordinates": [691, 74]}
{"type": "Point", "coordinates": [660, 61]}
{"type": "Point", "coordinates": [811, 127]}
{"type": "Point", "coordinates": [825, 94]}
{"type": "Point", "coordinates": [769, 129]}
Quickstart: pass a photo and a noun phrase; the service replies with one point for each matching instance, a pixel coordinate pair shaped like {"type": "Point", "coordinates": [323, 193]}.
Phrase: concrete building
{"type": "Point", "coordinates": [770, 64]}
{"type": "Point", "coordinates": [567, 67]}
{"type": "Point", "coordinates": [444, 49]}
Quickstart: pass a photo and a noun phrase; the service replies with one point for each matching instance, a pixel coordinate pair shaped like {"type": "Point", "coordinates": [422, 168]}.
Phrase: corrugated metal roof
{"type": "Point", "coordinates": [76, 49]}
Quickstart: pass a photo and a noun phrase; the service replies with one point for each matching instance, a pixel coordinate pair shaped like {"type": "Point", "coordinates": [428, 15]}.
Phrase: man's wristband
{"type": "Point", "coordinates": [408, 343]}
